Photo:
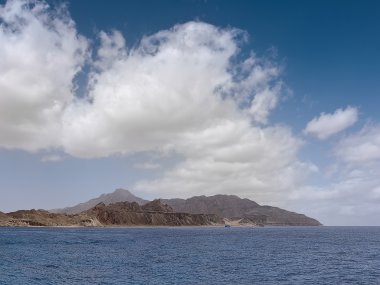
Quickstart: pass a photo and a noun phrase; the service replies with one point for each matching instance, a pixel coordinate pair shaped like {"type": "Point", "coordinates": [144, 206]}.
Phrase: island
{"type": "Point", "coordinates": [122, 208]}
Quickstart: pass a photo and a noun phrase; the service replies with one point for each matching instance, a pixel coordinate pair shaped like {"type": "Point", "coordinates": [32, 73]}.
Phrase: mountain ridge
{"type": "Point", "coordinates": [153, 213]}
{"type": "Point", "coordinates": [233, 207]}
{"type": "Point", "coordinates": [230, 207]}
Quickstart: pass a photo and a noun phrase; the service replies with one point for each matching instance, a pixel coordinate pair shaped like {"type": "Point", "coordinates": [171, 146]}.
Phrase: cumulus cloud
{"type": "Point", "coordinates": [185, 91]}
{"type": "Point", "coordinates": [40, 54]}
{"type": "Point", "coordinates": [175, 82]}
{"type": "Point", "coordinates": [148, 97]}
{"type": "Point", "coordinates": [180, 91]}
{"type": "Point", "coordinates": [327, 125]}
{"type": "Point", "coordinates": [264, 102]}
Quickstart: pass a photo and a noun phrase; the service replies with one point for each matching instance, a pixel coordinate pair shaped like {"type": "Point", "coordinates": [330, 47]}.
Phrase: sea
{"type": "Point", "coordinates": [190, 255]}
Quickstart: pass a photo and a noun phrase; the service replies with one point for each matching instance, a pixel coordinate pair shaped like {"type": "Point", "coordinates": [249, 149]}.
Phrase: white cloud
{"type": "Point", "coordinates": [327, 125]}
{"type": "Point", "coordinates": [150, 96]}
{"type": "Point", "coordinates": [351, 194]}
{"type": "Point", "coordinates": [179, 91]}
{"type": "Point", "coordinates": [147, 165]}
{"type": "Point", "coordinates": [351, 199]}
{"type": "Point", "coordinates": [175, 82]}
{"type": "Point", "coordinates": [51, 158]}
{"type": "Point", "coordinates": [40, 53]}
{"type": "Point", "coordinates": [235, 158]}
{"type": "Point", "coordinates": [264, 102]}
{"type": "Point", "coordinates": [360, 147]}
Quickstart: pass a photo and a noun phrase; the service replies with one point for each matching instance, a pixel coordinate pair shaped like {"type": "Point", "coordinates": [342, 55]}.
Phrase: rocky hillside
{"type": "Point", "coordinates": [123, 208]}
{"type": "Point", "coordinates": [153, 213]}
{"type": "Point", "coordinates": [279, 217]}
{"type": "Point", "coordinates": [3, 216]}
{"type": "Point", "coordinates": [45, 218]}
{"type": "Point", "coordinates": [227, 206]}
{"type": "Point", "coordinates": [233, 207]}
{"type": "Point", "coordinates": [119, 195]}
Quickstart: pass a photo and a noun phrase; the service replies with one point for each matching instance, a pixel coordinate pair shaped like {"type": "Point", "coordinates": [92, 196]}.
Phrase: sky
{"type": "Point", "coordinates": [275, 101]}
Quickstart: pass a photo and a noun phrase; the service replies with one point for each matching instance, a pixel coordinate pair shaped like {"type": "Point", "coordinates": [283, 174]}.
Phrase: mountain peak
{"type": "Point", "coordinates": [119, 195]}
{"type": "Point", "coordinates": [121, 191]}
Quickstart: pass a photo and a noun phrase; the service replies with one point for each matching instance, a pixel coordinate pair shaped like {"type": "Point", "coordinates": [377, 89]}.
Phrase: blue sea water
{"type": "Point", "coordinates": [285, 255]}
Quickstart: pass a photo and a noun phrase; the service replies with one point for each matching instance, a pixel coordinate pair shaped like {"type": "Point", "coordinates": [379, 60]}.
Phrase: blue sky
{"type": "Point", "coordinates": [276, 101]}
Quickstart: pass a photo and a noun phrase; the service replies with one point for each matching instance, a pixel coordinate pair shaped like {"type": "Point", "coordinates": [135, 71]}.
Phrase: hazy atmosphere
{"type": "Point", "coordinates": [273, 101]}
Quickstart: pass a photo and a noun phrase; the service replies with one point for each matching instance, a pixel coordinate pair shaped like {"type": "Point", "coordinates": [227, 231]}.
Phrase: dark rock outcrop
{"type": "Point", "coordinates": [157, 206]}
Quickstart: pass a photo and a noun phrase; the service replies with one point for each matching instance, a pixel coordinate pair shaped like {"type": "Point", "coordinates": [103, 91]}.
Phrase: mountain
{"type": "Point", "coordinates": [119, 195]}
{"type": "Point", "coordinates": [227, 206]}
{"type": "Point", "coordinates": [233, 207]}
{"type": "Point", "coordinates": [153, 213]}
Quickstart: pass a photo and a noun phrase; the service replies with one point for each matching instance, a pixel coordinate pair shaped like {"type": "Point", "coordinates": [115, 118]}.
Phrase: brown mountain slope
{"type": "Point", "coordinates": [227, 206]}
{"type": "Point", "coordinates": [230, 206]}
{"type": "Point", "coordinates": [119, 195]}
{"type": "Point", "coordinates": [153, 213]}
{"type": "Point", "coordinates": [46, 219]}
{"type": "Point", "coordinates": [280, 217]}
{"type": "Point", "coordinates": [3, 216]}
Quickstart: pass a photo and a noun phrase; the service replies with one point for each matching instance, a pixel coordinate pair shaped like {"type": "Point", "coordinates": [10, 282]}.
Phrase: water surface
{"type": "Point", "coordinates": [288, 255]}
